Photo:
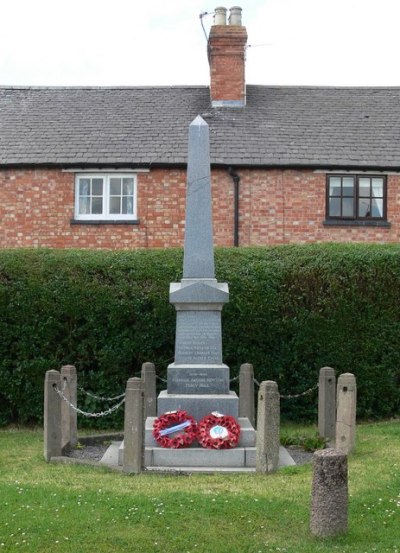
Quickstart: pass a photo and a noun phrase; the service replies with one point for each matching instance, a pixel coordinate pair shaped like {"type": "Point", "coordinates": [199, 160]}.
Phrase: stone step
{"type": "Point", "coordinates": [200, 457]}
{"type": "Point", "coordinates": [199, 405]}
{"type": "Point", "coordinates": [201, 460]}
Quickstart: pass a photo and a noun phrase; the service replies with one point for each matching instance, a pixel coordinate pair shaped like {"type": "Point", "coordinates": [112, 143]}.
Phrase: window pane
{"type": "Point", "coordinates": [84, 205]}
{"type": "Point", "coordinates": [334, 207]}
{"type": "Point", "coordinates": [97, 187]}
{"type": "Point", "coordinates": [348, 207]}
{"type": "Point", "coordinates": [127, 206]}
{"type": "Point", "coordinates": [377, 188]}
{"type": "Point", "coordinates": [97, 205]}
{"type": "Point", "coordinates": [348, 186]}
{"type": "Point", "coordinates": [364, 187]}
{"type": "Point", "coordinates": [334, 186]}
{"type": "Point", "coordinates": [84, 187]}
{"type": "Point", "coordinates": [364, 208]}
{"type": "Point", "coordinates": [128, 187]}
{"type": "Point", "coordinates": [115, 205]}
{"type": "Point", "coordinates": [377, 208]}
{"type": "Point", "coordinates": [115, 187]}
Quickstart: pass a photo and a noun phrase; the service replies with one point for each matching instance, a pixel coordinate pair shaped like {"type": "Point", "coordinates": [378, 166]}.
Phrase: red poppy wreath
{"type": "Point", "coordinates": [216, 431]}
{"type": "Point", "coordinates": [175, 429]}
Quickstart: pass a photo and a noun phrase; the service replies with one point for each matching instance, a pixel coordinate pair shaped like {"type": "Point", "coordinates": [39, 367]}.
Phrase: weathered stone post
{"type": "Point", "coordinates": [149, 378]}
{"type": "Point", "coordinates": [268, 426]}
{"type": "Point", "coordinates": [52, 415]}
{"type": "Point", "coordinates": [134, 426]}
{"type": "Point", "coordinates": [246, 392]}
{"type": "Point", "coordinates": [327, 403]}
{"type": "Point", "coordinates": [329, 494]}
{"type": "Point", "coordinates": [346, 413]}
{"type": "Point", "coordinates": [69, 424]}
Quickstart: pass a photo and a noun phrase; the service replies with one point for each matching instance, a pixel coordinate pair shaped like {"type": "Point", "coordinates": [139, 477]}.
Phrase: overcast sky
{"type": "Point", "coordinates": [161, 42]}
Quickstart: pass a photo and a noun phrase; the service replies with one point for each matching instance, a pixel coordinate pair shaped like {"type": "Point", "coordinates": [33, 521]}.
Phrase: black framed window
{"type": "Point", "coordinates": [356, 197]}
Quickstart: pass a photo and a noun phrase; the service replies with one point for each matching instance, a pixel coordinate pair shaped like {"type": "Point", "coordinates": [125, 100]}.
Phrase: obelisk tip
{"type": "Point", "coordinates": [198, 121]}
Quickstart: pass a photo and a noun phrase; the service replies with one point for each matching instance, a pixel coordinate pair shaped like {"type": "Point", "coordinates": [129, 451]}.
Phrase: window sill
{"type": "Point", "coordinates": [354, 223]}
{"type": "Point", "coordinates": [104, 222]}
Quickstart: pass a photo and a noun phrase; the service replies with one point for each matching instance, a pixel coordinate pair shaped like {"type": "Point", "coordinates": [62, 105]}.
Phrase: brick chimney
{"type": "Point", "coordinates": [226, 51]}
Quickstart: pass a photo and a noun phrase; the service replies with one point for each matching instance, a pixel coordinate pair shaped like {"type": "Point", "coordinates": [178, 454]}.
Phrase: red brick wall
{"type": "Point", "coordinates": [276, 207]}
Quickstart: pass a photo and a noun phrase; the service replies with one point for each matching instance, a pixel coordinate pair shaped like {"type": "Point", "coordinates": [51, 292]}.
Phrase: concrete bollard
{"type": "Point", "coordinates": [69, 423]}
{"type": "Point", "coordinates": [268, 426]}
{"type": "Point", "coordinates": [346, 413]}
{"type": "Point", "coordinates": [329, 494]}
{"type": "Point", "coordinates": [246, 392]}
{"type": "Point", "coordinates": [52, 416]}
{"type": "Point", "coordinates": [134, 426]}
{"type": "Point", "coordinates": [327, 403]}
{"type": "Point", "coordinates": [149, 378]}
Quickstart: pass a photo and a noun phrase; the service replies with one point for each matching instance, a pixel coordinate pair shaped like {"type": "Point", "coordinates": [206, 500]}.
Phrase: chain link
{"type": "Point", "coordinates": [161, 379]}
{"type": "Point", "coordinates": [101, 398]}
{"type": "Point", "coordinates": [234, 378]}
{"type": "Point", "coordinates": [84, 413]}
{"type": "Point", "coordinates": [306, 393]}
{"type": "Point", "coordinates": [293, 396]}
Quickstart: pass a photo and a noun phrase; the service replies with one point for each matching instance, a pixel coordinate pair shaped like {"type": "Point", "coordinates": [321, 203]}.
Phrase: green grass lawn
{"type": "Point", "coordinates": [71, 508]}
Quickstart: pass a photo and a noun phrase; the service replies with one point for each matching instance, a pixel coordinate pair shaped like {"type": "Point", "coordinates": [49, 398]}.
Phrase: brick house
{"type": "Point", "coordinates": [105, 167]}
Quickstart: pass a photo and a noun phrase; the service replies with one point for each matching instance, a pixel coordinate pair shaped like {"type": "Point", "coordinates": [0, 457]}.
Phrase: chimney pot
{"type": "Point", "coordinates": [235, 17]}
{"type": "Point", "coordinates": [220, 16]}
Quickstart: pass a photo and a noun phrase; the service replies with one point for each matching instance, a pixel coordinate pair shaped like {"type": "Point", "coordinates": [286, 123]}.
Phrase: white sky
{"type": "Point", "coordinates": [161, 42]}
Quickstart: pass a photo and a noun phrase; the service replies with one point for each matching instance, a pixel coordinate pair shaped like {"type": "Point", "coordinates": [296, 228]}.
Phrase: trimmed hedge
{"type": "Point", "coordinates": [292, 310]}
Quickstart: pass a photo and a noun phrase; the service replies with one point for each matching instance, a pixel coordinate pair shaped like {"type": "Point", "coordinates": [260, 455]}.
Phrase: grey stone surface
{"type": "Point", "coordinates": [199, 457]}
{"type": "Point", "coordinates": [346, 413]}
{"type": "Point", "coordinates": [198, 379]}
{"type": "Point", "coordinates": [327, 403]}
{"type": "Point", "coordinates": [199, 405]}
{"type": "Point", "coordinates": [69, 423]}
{"type": "Point", "coordinates": [198, 337]}
{"type": "Point", "coordinates": [112, 455]}
{"type": "Point", "coordinates": [268, 425]}
{"type": "Point", "coordinates": [148, 376]}
{"type": "Point", "coordinates": [246, 392]}
{"type": "Point", "coordinates": [134, 426]}
{"type": "Point", "coordinates": [198, 260]}
{"type": "Point", "coordinates": [52, 416]}
{"type": "Point", "coordinates": [329, 494]}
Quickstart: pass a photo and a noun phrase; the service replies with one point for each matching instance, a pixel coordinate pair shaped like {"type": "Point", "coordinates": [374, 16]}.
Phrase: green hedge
{"type": "Point", "coordinates": [292, 310]}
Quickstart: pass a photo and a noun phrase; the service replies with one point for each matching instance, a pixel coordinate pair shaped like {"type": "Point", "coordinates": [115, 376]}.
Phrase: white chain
{"type": "Point", "coordinates": [101, 398]}
{"type": "Point", "coordinates": [85, 414]}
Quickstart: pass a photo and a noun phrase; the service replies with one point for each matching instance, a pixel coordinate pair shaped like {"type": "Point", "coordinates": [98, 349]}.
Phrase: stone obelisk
{"type": "Point", "coordinates": [198, 380]}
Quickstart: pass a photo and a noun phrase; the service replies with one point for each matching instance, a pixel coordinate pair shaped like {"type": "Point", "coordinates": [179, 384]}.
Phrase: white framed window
{"type": "Point", "coordinates": [108, 197]}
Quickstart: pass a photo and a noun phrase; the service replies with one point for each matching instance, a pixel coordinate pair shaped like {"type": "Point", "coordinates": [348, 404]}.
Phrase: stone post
{"type": "Point", "coordinates": [246, 392]}
{"type": "Point", "coordinates": [134, 426]}
{"type": "Point", "coordinates": [149, 378]}
{"type": "Point", "coordinates": [329, 495]}
{"type": "Point", "coordinates": [69, 424]}
{"type": "Point", "coordinates": [346, 413]}
{"type": "Point", "coordinates": [327, 403]}
{"type": "Point", "coordinates": [268, 425]}
{"type": "Point", "coordinates": [52, 416]}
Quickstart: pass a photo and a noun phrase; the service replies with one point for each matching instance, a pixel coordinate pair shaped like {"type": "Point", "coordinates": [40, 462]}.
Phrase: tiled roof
{"type": "Point", "coordinates": [280, 126]}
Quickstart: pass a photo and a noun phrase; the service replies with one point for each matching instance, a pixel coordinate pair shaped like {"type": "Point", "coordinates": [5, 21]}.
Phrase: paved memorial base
{"type": "Point", "coordinates": [196, 459]}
